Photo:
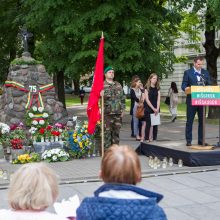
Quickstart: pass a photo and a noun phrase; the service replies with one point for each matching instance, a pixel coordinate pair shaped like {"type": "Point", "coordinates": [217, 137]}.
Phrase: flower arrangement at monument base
{"type": "Point", "coordinates": [47, 134]}
{"type": "Point", "coordinates": [37, 117]}
{"type": "Point", "coordinates": [4, 132]}
{"type": "Point", "coordinates": [80, 143]}
{"type": "Point", "coordinates": [27, 158]}
{"type": "Point", "coordinates": [55, 155]}
{"type": "Point", "coordinates": [38, 120]}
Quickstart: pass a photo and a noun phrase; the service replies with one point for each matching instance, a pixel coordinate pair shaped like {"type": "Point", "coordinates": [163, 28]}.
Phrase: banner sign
{"type": "Point", "coordinates": [205, 95]}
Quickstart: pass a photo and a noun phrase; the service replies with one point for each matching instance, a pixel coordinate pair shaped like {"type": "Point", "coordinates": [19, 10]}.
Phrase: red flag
{"type": "Point", "coordinates": [97, 86]}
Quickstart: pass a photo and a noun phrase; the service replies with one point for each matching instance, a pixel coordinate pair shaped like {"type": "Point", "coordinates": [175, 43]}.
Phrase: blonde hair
{"type": "Point", "coordinates": [33, 187]}
{"type": "Point", "coordinates": [121, 164]}
{"type": "Point", "coordinates": [148, 84]}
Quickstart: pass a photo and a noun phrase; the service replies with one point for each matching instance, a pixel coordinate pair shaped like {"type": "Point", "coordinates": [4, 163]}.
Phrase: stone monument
{"type": "Point", "coordinates": [28, 84]}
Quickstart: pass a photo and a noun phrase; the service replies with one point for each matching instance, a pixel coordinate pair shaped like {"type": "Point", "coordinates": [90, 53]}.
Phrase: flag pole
{"type": "Point", "coordinates": [102, 125]}
{"type": "Point", "coordinates": [102, 112]}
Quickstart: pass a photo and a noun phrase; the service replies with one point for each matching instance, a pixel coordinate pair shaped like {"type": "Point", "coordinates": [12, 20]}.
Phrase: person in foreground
{"type": "Point", "coordinates": [33, 188]}
{"type": "Point", "coordinates": [196, 76]}
{"type": "Point", "coordinates": [119, 198]}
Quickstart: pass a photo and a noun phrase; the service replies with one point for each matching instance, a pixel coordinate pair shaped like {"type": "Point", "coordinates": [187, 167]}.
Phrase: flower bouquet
{"type": "Point", "coordinates": [80, 142]}
{"type": "Point", "coordinates": [17, 134]}
{"type": "Point", "coordinates": [57, 130]}
{"type": "Point", "coordinates": [55, 155]}
{"type": "Point", "coordinates": [27, 158]}
{"type": "Point", "coordinates": [37, 117]}
{"type": "Point", "coordinates": [16, 143]}
{"type": "Point", "coordinates": [4, 133]}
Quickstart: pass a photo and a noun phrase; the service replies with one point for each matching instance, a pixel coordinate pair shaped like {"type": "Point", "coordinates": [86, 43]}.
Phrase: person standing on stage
{"type": "Point", "coordinates": [194, 77]}
{"type": "Point", "coordinates": [132, 105]}
{"type": "Point", "coordinates": [137, 95]}
{"type": "Point", "coordinates": [114, 106]}
{"type": "Point", "coordinates": [152, 97]}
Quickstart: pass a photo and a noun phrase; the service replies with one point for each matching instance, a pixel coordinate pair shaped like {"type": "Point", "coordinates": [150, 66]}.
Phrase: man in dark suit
{"type": "Point", "coordinates": [194, 77]}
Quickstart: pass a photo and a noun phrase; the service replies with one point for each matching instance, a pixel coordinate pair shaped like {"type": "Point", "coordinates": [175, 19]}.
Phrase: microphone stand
{"type": "Point", "coordinates": [203, 113]}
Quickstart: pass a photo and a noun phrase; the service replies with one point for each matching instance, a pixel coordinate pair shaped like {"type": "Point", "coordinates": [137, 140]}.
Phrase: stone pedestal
{"type": "Point", "coordinates": [40, 147]}
{"type": "Point", "coordinates": [16, 152]}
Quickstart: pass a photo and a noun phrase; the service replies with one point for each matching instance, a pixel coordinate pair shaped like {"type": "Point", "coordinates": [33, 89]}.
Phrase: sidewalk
{"type": "Point", "coordinates": [87, 169]}
{"type": "Point", "coordinates": [189, 192]}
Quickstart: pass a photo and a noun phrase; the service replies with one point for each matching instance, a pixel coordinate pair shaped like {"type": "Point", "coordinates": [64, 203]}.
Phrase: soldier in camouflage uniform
{"type": "Point", "coordinates": [114, 105]}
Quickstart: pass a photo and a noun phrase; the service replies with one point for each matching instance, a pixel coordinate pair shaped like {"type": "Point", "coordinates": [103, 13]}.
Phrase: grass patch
{"type": "Point", "coordinates": [72, 100]}
{"type": "Point", "coordinates": [163, 107]}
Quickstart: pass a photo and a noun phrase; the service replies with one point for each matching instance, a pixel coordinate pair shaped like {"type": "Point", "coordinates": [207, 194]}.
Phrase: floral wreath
{"type": "Point", "coordinates": [37, 117]}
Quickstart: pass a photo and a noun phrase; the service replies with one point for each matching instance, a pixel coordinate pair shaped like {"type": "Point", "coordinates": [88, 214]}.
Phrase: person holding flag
{"type": "Point", "coordinates": [113, 102]}
{"type": "Point", "coordinates": [114, 106]}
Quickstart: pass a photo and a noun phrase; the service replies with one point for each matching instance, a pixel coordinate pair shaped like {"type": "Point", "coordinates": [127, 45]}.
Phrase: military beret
{"type": "Point", "coordinates": [107, 69]}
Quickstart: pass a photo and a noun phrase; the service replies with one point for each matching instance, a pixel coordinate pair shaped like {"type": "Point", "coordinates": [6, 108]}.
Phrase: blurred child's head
{"type": "Point", "coordinates": [121, 164]}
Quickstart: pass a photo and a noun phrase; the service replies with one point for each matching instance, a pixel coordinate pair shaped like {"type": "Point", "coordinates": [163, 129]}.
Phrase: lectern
{"type": "Point", "coordinates": [204, 96]}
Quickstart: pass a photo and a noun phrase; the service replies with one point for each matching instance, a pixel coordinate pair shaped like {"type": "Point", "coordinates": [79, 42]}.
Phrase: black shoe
{"type": "Point", "coordinates": [174, 119]}
{"type": "Point", "coordinates": [188, 144]}
{"type": "Point", "coordinates": [133, 136]}
{"type": "Point", "coordinates": [206, 144]}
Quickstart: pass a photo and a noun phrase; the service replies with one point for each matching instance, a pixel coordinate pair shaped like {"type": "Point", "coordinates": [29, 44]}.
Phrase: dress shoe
{"type": "Point", "coordinates": [188, 144]}
{"type": "Point", "coordinates": [206, 144]}
{"type": "Point", "coordinates": [173, 120]}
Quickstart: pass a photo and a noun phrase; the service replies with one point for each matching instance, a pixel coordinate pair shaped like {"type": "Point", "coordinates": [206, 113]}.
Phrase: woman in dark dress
{"type": "Point", "coordinates": [152, 105]}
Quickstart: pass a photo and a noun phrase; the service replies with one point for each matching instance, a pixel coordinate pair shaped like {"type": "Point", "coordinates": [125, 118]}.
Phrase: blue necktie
{"type": "Point", "coordinates": [197, 74]}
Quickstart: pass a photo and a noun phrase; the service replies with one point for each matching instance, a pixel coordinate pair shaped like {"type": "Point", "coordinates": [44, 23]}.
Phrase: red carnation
{"type": "Point", "coordinates": [49, 127]}
{"type": "Point", "coordinates": [42, 131]}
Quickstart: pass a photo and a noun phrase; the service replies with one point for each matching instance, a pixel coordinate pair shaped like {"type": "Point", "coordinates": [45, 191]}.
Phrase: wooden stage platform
{"type": "Point", "coordinates": [178, 150]}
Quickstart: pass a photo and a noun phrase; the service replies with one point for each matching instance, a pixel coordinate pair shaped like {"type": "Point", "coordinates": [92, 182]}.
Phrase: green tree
{"type": "Point", "coordinates": [137, 35]}
{"type": "Point", "coordinates": [209, 22]}
{"type": "Point", "coordinates": [9, 29]}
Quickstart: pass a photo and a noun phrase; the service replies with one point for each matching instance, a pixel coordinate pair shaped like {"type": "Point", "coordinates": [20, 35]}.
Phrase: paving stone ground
{"type": "Point", "coordinates": [190, 193]}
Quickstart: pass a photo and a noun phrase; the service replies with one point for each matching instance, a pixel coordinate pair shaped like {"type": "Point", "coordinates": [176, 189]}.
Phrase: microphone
{"type": "Point", "coordinates": [202, 76]}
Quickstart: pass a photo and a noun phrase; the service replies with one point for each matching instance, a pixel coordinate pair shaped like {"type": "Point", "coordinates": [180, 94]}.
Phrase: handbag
{"type": "Point", "coordinates": [140, 109]}
{"type": "Point", "coordinates": [167, 100]}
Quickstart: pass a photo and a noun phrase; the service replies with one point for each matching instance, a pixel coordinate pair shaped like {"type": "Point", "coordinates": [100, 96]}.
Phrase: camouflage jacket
{"type": "Point", "coordinates": [114, 99]}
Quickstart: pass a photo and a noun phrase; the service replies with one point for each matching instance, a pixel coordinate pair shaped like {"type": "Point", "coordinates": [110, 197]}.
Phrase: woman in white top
{"type": "Point", "coordinates": [173, 94]}
{"type": "Point", "coordinates": [33, 188]}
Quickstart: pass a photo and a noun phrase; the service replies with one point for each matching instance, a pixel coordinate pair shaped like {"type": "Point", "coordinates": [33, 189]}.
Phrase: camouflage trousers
{"type": "Point", "coordinates": [112, 125]}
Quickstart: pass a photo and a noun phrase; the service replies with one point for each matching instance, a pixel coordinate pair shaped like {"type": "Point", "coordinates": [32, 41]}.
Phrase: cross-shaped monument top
{"type": "Point", "coordinates": [25, 36]}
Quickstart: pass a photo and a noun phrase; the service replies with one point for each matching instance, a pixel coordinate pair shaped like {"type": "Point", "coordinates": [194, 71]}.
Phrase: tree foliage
{"type": "Point", "coordinates": [137, 34]}
{"type": "Point", "coordinates": [9, 29]}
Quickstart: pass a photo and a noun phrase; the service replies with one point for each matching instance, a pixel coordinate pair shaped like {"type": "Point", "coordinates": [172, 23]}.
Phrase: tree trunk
{"type": "Point", "coordinates": [59, 87]}
{"type": "Point", "coordinates": [76, 86]}
{"type": "Point", "coordinates": [212, 53]}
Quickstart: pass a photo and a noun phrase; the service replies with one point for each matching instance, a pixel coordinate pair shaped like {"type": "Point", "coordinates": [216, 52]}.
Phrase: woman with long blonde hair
{"type": "Point", "coordinates": [152, 97]}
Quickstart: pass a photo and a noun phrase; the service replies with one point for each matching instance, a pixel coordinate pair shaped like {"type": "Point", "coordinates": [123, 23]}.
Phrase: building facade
{"type": "Point", "coordinates": [181, 49]}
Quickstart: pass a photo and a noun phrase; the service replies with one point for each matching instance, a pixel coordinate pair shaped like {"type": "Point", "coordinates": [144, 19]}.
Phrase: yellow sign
{"type": "Point", "coordinates": [205, 89]}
